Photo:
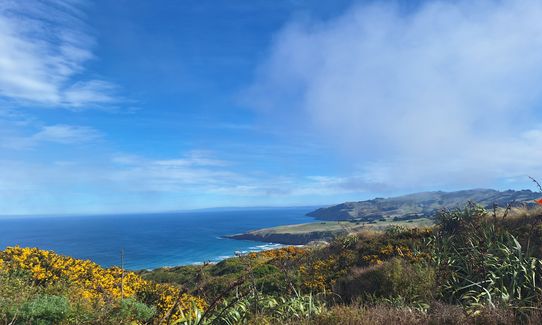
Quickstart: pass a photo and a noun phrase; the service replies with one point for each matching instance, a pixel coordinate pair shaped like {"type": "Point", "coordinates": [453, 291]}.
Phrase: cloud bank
{"type": "Point", "coordinates": [43, 49]}
{"type": "Point", "coordinates": [447, 93]}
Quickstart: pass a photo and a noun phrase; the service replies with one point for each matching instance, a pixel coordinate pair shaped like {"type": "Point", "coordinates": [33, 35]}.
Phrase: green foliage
{"type": "Point", "coordinates": [268, 278]}
{"type": "Point", "coordinates": [15, 289]}
{"type": "Point", "coordinates": [472, 260]}
{"type": "Point", "coordinates": [413, 282]}
{"type": "Point", "coordinates": [474, 267]}
{"type": "Point", "coordinates": [395, 279]}
{"type": "Point", "coordinates": [46, 309]}
{"type": "Point", "coordinates": [131, 309]}
{"type": "Point", "coordinates": [349, 241]}
{"type": "Point", "coordinates": [274, 308]}
{"type": "Point", "coordinates": [179, 274]}
{"type": "Point", "coordinates": [481, 263]}
{"type": "Point", "coordinates": [229, 266]}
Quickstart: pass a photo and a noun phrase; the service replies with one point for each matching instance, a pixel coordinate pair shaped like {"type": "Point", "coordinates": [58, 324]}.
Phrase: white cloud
{"type": "Point", "coordinates": [66, 134]}
{"type": "Point", "coordinates": [94, 92]}
{"type": "Point", "coordinates": [192, 172]}
{"type": "Point", "coordinates": [129, 182]}
{"type": "Point", "coordinates": [43, 48]}
{"type": "Point", "coordinates": [59, 133]}
{"type": "Point", "coordinates": [447, 94]}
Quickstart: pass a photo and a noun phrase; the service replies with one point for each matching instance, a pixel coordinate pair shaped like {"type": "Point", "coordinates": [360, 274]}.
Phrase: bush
{"type": "Point", "coordinates": [229, 266]}
{"type": "Point", "coordinates": [46, 309]}
{"type": "Point", "coordinates": [15, 290]}
{"type": "Point", "coordinates": [413, 282]}
{"type": "Point", "coordinates": [133, 310]}
{"type": "Point", "coordinates": [266, 310]}
{"type": "Point", "coordinates": [480, 263]}
{"type": "Point", "coordinates": [268, 279]}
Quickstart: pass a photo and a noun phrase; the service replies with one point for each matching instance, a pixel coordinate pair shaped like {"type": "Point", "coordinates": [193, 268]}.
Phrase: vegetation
{"type": "Point", "coordinates": [473, 266]}
{"type": "Point", "coordinates": [41, 287]}
{"type": "Point", "coordinates": [416, 205]}
{"type": "Point", "coordinates": [301, 234]}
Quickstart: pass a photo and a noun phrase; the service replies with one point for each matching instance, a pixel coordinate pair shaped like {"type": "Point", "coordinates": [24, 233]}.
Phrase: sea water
{"type": "Point", "coordinates": [147, 240]}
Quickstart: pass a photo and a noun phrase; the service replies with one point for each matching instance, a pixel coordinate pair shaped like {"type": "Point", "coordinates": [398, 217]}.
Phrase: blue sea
{"type": "Point", "coordinates": [148, 240]}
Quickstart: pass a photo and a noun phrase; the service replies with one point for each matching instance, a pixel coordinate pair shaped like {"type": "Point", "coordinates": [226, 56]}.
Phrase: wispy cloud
{"type": "Point", "coordinates": [196, 171]}
{"type": "Point", "coordinates": [43, 48]}
{"type": "Point", "coordinates": [447, 94]}
{"type": "Point", "coordinates": [130, 182]}
{"type": "Point", "coordinates": [200, 172]}
{"type": "Point", "coordinates": [60, 133]}
{"type": "Point", "coordinates": [67, 134]}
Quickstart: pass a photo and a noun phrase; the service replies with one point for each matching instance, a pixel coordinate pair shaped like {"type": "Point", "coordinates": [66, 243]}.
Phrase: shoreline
{"type": "Point", "coordinates": [302, 234]}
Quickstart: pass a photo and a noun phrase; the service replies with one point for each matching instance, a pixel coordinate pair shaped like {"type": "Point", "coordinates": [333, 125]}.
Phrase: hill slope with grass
{"type": "Point", "coordinates": [423, 204]}
{"type": "Point", "coordinates": [301, 234]}
{"type": "Point", "coordinates": [413, 210]}
{"type": "Point", "coordinates": [472, 267]}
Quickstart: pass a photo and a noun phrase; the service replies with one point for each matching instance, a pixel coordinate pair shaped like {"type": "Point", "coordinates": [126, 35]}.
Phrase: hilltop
{"type": "Point", "coordinates": [422, 204]}
{"type": "Point", "coordinates": [412, 210]}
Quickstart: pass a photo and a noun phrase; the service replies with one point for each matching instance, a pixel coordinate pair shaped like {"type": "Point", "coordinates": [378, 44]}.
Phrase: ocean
{"type": "Point", "coordinates": [148, 240]}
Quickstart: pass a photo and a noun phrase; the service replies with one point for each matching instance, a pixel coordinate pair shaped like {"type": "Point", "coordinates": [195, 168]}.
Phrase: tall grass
{"type": "Point", "coordinates": [481, 263]}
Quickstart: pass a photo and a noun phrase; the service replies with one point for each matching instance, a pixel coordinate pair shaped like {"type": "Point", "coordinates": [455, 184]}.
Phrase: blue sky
{"type": "Point", "coordinates": [124, 106]}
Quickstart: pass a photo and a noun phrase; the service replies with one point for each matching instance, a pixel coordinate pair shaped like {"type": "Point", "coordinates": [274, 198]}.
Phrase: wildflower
{"type": "Point", "coordinates": [93, 283]}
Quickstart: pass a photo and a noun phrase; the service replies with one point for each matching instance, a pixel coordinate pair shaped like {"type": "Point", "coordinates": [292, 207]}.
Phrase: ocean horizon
{"type": "Point", "coordinates": [148, 240]}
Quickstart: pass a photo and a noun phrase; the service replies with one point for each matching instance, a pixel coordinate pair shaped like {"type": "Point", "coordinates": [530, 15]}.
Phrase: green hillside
{"type": "Point", "coordinates": [423, 204]}
{"type": "Point", "coordinates": [473, 267]}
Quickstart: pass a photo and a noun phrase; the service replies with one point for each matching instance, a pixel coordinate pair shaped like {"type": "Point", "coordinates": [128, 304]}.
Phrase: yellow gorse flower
{"type": "Point", "coordinates": [92, 283]}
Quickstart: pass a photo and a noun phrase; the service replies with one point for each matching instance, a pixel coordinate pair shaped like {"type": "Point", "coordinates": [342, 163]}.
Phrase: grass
{"type": "Point", "coordinates": [327, 230]}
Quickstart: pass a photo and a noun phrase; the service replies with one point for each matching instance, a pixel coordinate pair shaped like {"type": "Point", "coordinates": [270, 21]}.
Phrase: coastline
{"type": "Point", "coordinates": [302, 234]}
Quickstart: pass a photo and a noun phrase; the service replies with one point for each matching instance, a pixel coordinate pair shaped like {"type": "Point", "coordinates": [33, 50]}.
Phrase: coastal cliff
{"type": "Point", "coordinates": [285, 238]}
{"type": "Point", "coordinates": [417, 209]}
{"type": "Point", "coordinates": [302, 234]}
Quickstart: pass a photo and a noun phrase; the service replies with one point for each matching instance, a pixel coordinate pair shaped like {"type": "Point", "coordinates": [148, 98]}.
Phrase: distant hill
{"type": "Point", "coordinates": [423, 204]}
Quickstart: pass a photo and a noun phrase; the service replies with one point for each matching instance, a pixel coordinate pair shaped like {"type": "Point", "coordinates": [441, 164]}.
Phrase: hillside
{"type": "Point", "coordinates": [397, 276]}
{"type": "Point", "coordinates": [305, 233]}
{"type": "Point", "coordinates": [412, 210]}
{"type": "Point", "coordinates": [416, 205]}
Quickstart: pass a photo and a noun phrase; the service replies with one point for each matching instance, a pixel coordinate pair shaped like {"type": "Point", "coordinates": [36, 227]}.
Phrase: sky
{"type": "Point", "coordinates": [139, 106]}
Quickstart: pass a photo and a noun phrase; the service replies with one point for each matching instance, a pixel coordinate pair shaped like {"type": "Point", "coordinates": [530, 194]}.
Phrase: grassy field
{"type": "Point", "coordinates": [326, 230]}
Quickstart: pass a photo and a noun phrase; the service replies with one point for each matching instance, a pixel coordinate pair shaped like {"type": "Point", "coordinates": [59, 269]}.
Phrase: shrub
{"type": "Point", "coordinates": [413, 282]}
{"type": "Point", "coordinates": [256, 309]}
{"type": "Point", "coordinates": [268, 279]}
{"type": "Point", "coordinates": [480, 263]}
{"type": "Point", "coordinates": [46, 309]}
{"type": "Point", "coordinates": [229, 266]}
{"type": "Point", "coordinates": [131, 309]}
{"type": "Point", "coordinates": [15, 290]}
{"type": "Point", "coordinates": [48, 279]}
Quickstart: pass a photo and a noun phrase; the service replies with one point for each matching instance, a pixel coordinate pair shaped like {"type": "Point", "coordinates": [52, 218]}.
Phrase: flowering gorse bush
{"type": "Point", "coordinates": [283, 253]}
{"type": "Point", "coordinates": [93, 285]}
